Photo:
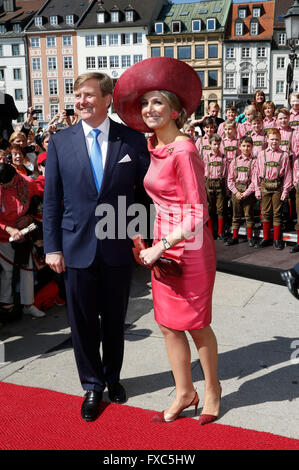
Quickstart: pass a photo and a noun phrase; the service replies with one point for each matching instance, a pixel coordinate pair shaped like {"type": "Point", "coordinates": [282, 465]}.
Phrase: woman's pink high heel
{"type": "Point", "coordinates": [205, 418]}
{"type": "Point", "coordinates": [162, 418]}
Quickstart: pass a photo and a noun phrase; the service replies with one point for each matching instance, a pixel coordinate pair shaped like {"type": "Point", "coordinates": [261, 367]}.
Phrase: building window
{"type": "Point", "coordinates": [245, 52]}
{"type": "Point", "coordinates": [41, 114]}
{"type": "Point", "coordinates": [201, 75]}
{"type": "Point", "coordinates": [261, 52]}
{"type": "Point", "coordinates": [256, 12]}
{"type": "Point", "coordinates": [155, 51]}
{"type": "Point", "coordinates": [51, 41]}
{"type": "Point", "coordinates": [125, 61]}
{"type": "Point", "coordinates": [69, 19]}
{"type": "Point", "coordinates": [137, 58]}
{"type": "Point", "coordinates": [37, 87]}
{"type": "Point", "coordinates": [38, 21]}
{"type": "Point", "coordinates": [211, 24]}
{"type": "Point", "coordinates": [18, 94]}
{"type": "Point", "coordinates": [260, 80]}
{"type": "Point", "coordinates": [35, 42]}
{"type": "Point", "coordinates": [168, 51]}
{"type": "Point", "coordinates": [102, 62]}
{"type": "Point", "coordinates": [114, 17]}
{"type": "Point", "coordinates": [90, 62]}
{"type": "Point", "coordinates": [89, 40]}
{"type": "Point", "coordinates": [159, 28]}
{"type": "Point", "coordinates": [1, 51]}
{"type": "Point", "coordinates": [254, 28]}
{"type": "Point", "coordinates": [101, 17]}
{"type": "Point", "coordinates": [212, 78]}
{"type": "Point", "coordinates": [67, 40]}
{"type": "Point", "coordinates": [36, 63]}
{"type": "Point", "coordinates": [184, 52]}
{"type": "Point", "coordinates": [242, 13]}
{"type": "Point", "coordinates": [17, 74]}
{"type": "Point", "coordinates": [52, 63]}
{"type": "Point", "coordinates": [130, 16]}
{"type": "Point", "coordinates": [114, 61]}
{"type": "Point", "coordinates": [53, 88]}
{"type": "Point", "coordinates": [230, 80]}
{"type": "Point", "coordinates": [196, 26]}
{"type": "Point", "coordinates": [176, 27]}
{"type": "Point", "coordinates": [53, 20]}
{"type": "Point", "coordinates": [54, 109]}
{"type": "Point", "coordinates": [126, 38]}
{"type": "Point", "coordinates": [137, 38]}
{"type": "Point", "coordinates": [213, 51]}
{"type": "Point", "coordinates": [200, 52]}
{"type": "Point", "coordinates": [2, 28]}
{"type": "Point", "coordinates": [102, 39]}
{"type": "Point", "coordinates": [239, 29]}
{"type": "Point", "coordinates": [280, 62]}
{"type": "Point", "coordinates": [68, 62]}
{"type": "Point", "coordinates": [230, 52]}
{"type": "Point", "coordinates": [15, 49]}
{"type": "Point", "coordinates": [17, 28]}
{"type": "Point", "coordinates": [2, 76]}
{"type": "Point", "coordinates": [68, 86]}
{"type": "Point", "coordinates": [282, 39]}
{"type": "Point", "coordinates": [280, 86]}
{"type": "Point", "coordinates": [113, 39]}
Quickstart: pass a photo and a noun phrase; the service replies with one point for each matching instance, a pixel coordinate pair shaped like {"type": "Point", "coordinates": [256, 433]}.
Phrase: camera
{"type": "Point", "coordinates": [29, 148]}
{"type": "Point", "coordinates": [70, 112]}
{"type": "Point", "coordinates": [8, 158]}
{"type": "Point", "coordinates": [36, 111]}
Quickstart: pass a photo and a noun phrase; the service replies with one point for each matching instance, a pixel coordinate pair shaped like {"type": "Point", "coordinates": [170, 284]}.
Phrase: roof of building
{"type": "Point", "coordinates": [281, 9]}
{"type": "Point", "coordinates": [203, 10]}
{"type": "Point", "coordinates": [22, 14]}
{"type": "Point", "coordinates": [145, 13]}
{"type": "Point", "coordinates": [61, 9]}
{"type": "Point", "coordinates": [265, 20]}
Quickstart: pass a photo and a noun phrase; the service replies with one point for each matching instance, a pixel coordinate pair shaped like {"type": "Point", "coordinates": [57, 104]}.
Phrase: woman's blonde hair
{"type": "Point", "coordinates": [17, 134]}
{"type": "Point", "coordinates": [175, 104]}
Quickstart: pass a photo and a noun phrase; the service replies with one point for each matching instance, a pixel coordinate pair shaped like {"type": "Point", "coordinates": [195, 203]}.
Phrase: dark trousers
{"type": "Point", "coordinates": [97, 300]}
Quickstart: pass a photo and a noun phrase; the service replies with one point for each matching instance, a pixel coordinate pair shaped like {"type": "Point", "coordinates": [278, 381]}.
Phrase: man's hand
{"type": "Point", "coordinates": [56, 262]}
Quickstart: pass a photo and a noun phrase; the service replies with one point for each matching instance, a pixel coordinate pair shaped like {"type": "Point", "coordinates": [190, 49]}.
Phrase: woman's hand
{"type": "Point", "coordinates": [14, 233]}
{"type": "Point", "coordinates": [151, 255]}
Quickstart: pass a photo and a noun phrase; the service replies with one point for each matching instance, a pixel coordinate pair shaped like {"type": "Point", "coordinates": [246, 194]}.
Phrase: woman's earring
{"type": "Point", "coordinates": [174, 115]}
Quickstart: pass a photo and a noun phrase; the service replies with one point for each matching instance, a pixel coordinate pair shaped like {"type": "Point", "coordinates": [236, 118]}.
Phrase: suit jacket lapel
{"type": "Point", "coordinates": [81, 153]}
{"type": "Point", "coordinates": [114, 146]}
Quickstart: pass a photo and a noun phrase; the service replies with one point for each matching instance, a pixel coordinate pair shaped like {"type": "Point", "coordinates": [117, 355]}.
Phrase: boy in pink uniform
{"type": "Point", "coordinates": [215, 174]}
{"type": "Point", "coordinates": [230, 144]}
{"type": "Point", "coordinates": [203, 143]}
{"type": "Point", "coordinates": [245, 128]}
{"type": "Point", "coordinates": [294, 111]}
{"type": "Point", "coordinates": [274, 180]}
{"type": "Point", "coordinates": [257, 134]}
{"type": "Point", "coordinates": [295, 248]}
{"type": "Point", "coordinates": [241, 181]}
{"type": "Point", "coordinates": [288, 135]}
{"type": "Point", "coordinates": [231, 113]}
{"type": "Point", "coordinates": [269, 119]}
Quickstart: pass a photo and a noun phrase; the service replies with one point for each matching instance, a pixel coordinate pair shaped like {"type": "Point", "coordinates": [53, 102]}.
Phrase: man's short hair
{"type": "Point", "coordinates": [105, 82]}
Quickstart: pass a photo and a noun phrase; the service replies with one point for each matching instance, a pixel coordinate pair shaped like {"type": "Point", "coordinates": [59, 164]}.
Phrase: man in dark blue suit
{"type": "Point", "coordinates": [89, 167]}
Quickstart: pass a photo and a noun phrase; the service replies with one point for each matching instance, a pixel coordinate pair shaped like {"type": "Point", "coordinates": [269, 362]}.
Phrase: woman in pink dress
{"type": "Point", "coordinates": [175, 182]}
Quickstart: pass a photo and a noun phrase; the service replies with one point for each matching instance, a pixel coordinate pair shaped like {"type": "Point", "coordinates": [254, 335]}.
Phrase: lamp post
{"type": "Point", "coordinates": [291, 20]}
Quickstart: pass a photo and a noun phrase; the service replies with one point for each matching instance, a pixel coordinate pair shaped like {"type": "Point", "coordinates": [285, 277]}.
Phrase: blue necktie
{"type": "Point", "coordinates": [96, 159]}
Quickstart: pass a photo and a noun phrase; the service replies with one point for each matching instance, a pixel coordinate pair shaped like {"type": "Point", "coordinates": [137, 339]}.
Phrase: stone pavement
{"type": "Point", "coordinates": [257, 328]}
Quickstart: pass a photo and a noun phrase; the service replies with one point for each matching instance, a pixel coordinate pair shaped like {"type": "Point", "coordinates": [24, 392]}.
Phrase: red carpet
{"type": "Point", "coordinates": [38, 419]}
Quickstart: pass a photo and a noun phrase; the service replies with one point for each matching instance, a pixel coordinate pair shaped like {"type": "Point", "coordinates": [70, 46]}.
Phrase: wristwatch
{"type": "Point", "coordinates": [165, 243]}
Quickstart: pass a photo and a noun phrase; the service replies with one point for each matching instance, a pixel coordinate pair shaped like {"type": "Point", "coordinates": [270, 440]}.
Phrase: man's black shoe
{"type": "Point", "coordinates": [251, 242]}
{"type": "Point", "coordinates": [232, 241]}
{"type": "Point", "coordinates": [263, 243]}
{"type": "Point", "coordinates": [290, 277]}
{"type": "Point", "coordinates": [294, 249]}
{"type": "Point", "coordinates": [278, 245]}
{"type": "Point", "coordinates": [117, 393]}
{"type": "Point", "coordinates": [90, 409]}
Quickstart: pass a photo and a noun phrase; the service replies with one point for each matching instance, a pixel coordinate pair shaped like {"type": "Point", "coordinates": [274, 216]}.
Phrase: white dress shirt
{"type": "Point", "coordinates": [102, 137]}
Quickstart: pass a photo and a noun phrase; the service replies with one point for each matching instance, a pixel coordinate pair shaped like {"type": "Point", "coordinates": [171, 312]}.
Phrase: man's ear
{"type": "Point", "coordinates": [108, 99]}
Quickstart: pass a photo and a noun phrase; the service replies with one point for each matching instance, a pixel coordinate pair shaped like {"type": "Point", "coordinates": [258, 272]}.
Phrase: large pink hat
{"type": "Point", "coordinates": [157, 73]}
